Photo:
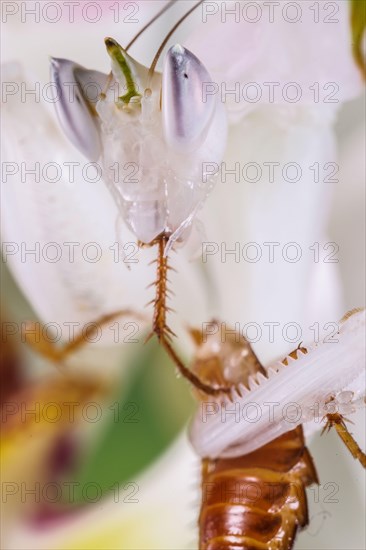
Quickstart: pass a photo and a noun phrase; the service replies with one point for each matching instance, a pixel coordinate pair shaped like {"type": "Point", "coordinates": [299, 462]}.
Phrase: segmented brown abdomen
{"type": "Point", "coordinates": [257, 501]}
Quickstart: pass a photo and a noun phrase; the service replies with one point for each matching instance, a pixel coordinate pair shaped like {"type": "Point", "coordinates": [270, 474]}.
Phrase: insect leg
{"type": "Point", "coordinates": [189, 375]}
{"type": "Point", "coordinates": [337, 421]}
{"type": "Point", "coordinates": [160, 327]}
{"type": "Point", "coordinates": [38, 341]}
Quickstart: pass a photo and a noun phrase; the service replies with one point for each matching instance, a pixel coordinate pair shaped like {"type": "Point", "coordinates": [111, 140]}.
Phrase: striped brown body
{"type": "Point", "coordinates": [256, 501]}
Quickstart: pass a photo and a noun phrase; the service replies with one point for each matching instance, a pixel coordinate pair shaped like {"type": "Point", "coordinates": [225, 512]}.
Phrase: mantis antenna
{"type": "Point", "coordinates": [149, 23]}
{"type": "Point", "coordinates": [168, 36]}
{"type": "Point", "coordinates": [161, 48]}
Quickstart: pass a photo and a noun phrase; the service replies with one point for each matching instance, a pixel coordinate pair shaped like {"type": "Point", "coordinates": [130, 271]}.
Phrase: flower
{"type": "Point", "coordinates": [117, 523]}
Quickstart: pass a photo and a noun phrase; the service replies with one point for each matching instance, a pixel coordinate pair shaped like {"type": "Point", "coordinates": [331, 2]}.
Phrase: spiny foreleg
{"type": "Point", "coordinates": [160, 326]}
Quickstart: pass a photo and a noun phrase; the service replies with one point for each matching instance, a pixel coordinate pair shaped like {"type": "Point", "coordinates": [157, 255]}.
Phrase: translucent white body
{"type": "Point", "coordinates": [158, 186]}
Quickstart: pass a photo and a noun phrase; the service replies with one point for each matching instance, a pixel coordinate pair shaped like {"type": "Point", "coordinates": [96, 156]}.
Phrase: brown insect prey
{"type": "Point", "coordinates": [256, 501]}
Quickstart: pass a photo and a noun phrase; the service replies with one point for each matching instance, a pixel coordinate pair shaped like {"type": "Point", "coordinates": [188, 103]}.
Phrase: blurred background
{"type": "Point", "coordinates": [99, 458]}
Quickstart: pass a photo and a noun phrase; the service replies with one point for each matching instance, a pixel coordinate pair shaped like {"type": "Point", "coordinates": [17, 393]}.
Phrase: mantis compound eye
{"type": "Point", "coordinates": [187, 114]}
{"type": "Point", "coordinates": [74, 108]}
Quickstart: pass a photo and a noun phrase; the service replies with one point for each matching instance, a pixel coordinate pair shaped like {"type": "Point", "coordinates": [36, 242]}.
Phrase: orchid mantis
{"type": "Point", "coordinates": [169, 134]}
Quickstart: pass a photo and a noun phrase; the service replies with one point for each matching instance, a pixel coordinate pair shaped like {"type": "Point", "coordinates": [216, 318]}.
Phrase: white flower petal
{"type": "Point", "coordinates": [253, 46]}
{"type": "Point", "coordinates": [252, 210]}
